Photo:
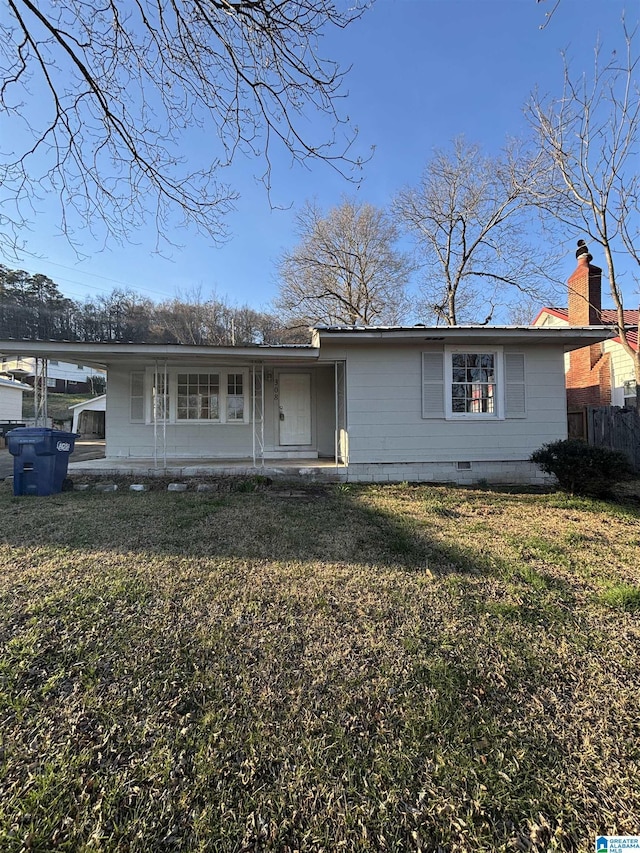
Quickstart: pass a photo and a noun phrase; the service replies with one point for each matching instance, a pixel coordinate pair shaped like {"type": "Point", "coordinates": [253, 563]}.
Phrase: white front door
{"type": "Point", "coordinates": [295, 408]}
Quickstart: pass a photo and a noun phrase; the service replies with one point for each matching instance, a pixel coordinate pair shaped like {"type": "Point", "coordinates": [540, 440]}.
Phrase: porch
{"type": "Point", "coordinates": [288, 469]}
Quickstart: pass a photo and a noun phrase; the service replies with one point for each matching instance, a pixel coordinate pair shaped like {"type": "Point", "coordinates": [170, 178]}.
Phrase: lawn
{"type": "Point", "coordinates": [398, 668]}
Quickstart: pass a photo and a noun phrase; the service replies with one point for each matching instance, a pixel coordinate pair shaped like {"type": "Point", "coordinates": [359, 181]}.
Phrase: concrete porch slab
{"type": "Point", "coordinates": [303, 469]}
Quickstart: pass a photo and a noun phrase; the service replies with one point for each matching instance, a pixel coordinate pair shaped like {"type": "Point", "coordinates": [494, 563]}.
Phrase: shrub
{"type": "Point", "coordinates": [582, 469]}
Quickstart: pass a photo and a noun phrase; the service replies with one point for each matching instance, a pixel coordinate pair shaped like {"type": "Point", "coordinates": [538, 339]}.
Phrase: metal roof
{"type": "Point", "coordinates": [102, 355]}
{"type": "Point", "coordinates": [572, 337]}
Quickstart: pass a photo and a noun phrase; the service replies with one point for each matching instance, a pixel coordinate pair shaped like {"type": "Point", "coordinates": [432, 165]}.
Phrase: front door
{"type": "Point", "coordinates": [295, 408]}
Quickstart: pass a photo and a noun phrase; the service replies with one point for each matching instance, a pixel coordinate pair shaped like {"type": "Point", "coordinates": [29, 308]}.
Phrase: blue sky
{"type": "Point", "coordinates": [423, 72]}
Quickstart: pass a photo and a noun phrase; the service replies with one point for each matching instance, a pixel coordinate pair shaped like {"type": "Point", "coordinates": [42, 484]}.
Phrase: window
{"type": "Point", "coordinates": [160, 397]}
{"type": "Point", "coordinates": [198, 397]}
{"type": "Point", "coordinates": [235, 397]}
{"type": "Point", "coordinates": [630, 399]}
{"type": "Point", "coordinates": [189, 397]}
{"type": "Point", "coordinates": [478, 383]}
{"type": "Point", "coordinates": [473, 388]}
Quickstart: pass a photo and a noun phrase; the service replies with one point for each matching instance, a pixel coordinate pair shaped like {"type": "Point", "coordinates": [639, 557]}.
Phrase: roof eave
{"type": "Point", "coordinates": [572, 337]}
{"type": "Point", "coordinates": [101, 355]}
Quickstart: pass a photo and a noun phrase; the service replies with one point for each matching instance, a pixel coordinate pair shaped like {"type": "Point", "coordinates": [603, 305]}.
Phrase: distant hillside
{"type": "Point", "coordinates": [57, 405]}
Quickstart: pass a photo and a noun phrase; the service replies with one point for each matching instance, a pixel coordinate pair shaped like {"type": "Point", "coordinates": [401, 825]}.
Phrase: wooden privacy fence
{"type": "Point", "coordinates": [617, 429]}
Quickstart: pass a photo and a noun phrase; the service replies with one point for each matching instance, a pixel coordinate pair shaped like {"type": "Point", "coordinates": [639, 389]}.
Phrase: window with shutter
{"type": "Point", "coordinates": [478, 383]}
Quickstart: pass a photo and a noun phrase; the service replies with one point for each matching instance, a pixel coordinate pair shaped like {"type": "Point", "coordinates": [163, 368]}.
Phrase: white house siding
{"type": "Point", "coordinates": [621, 371]}
{"type": "Point", "coordinates": [188, 441]}
{"type": "Point", "coordinates": [385, 423]}
{"type": "Point", "coordinates": [325, 402]}
{"type": "Point", "coordinates": [552, 320]}
{"type": "Point", "coordinates": [10, 403]}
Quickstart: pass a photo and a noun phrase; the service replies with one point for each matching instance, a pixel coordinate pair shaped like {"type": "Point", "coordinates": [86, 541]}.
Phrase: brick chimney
{"type": "Point", "coordinates": [589, 376]}
{"type": "Point", "coordinates": [585, 290]}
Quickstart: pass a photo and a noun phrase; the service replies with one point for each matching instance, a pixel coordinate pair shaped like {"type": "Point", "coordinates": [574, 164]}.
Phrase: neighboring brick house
{"type": "Point", "coordinates": [600, 374]}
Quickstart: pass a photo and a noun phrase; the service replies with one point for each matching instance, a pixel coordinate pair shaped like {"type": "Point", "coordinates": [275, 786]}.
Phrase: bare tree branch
{"type": "Point", "coordinates": [101, 100]}
{"type": "Point", "coordinates": [591, 182]}
{"type": "Point", "coordinates": [345, 269]}
{"type": "Point", "coordinates": [469, 217]}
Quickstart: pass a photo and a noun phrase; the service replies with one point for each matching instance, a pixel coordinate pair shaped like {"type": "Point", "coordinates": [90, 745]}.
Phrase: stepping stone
{"type": "Point", "coordinates": [107, 487]}
{"type": "Point", "coordinates": [177, 487]}
{"type": "Point", "coordinates": [138, 487]}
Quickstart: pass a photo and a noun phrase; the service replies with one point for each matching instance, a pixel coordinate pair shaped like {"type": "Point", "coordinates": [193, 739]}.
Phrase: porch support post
{"type": "Point", "coordinates": [336, 427]}
{"type": "Point", "coordinates": [154, 409]}
{"type": "Point", "coordinates": [257, 415]}
{"type": "Point", "coordinates": [262, 412]}
{"type": "Point", "coordinates": [165, 415]}
{"type": "Point", "coordinates": [40, 388]}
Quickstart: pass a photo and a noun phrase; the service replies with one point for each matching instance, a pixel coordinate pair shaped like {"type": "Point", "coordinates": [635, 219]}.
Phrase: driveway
{"type": "Point", "coordinates": [83, 450]}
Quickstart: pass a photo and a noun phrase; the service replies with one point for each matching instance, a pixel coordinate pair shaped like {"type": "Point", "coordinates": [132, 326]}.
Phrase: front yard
{"type": "Point", "coordinates": [400, 668]}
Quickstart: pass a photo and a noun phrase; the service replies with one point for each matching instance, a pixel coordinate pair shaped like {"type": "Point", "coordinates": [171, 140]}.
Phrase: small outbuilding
{"type": "Point", "coordinates": [11, 403]}
{"type": "Point", "coordinates": [88, 417]}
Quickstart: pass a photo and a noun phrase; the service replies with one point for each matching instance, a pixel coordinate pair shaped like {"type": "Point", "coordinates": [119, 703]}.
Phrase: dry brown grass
{"type": "Point", "coordinates": [375, 668]}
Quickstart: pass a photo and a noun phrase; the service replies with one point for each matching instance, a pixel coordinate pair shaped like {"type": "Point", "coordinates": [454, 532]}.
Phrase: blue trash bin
{"type": "Point", "coordinates": [40, 459]}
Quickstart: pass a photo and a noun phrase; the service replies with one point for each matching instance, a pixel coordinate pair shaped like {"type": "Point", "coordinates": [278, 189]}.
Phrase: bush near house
{"type": "Point", "coordinates": [582, 469]}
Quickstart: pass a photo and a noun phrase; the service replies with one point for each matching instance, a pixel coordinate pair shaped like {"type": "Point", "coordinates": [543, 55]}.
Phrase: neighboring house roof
{"type": "Point", "coordinates": [18, 386]}
{"type": "Point", "coordinates": [609, 317]}
{"type": "Point", "coordinates": [96, 403]}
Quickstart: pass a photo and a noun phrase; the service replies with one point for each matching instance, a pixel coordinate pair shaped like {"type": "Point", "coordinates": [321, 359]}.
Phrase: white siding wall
{"type": "Point", "coordinates": [325, 410]}
{"type": "Point", "coordinates": [621, 371]}
{"type": "Point", "coordinates": [385, 420]}
{"type": "Point", "coordinates": [10, 403]}
{"type": "Point", "coordinates": [189, 441]}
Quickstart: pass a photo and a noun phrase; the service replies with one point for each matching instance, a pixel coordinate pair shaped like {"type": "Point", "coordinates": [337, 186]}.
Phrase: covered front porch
{"type": "Point", "coordinates": [185, 414]}
{"type": "Point", "coordinates": [177, 408]}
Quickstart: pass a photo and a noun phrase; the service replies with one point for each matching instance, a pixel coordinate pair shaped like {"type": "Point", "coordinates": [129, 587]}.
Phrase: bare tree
{"type": "Point", "coordinates": [345, 269]}
{"type": "Point", "coordinates": [589, 138]}
{"type": "Point", "coordinates": [471, 220]}
{"type": "Point", "coordinates": [101, 100]}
